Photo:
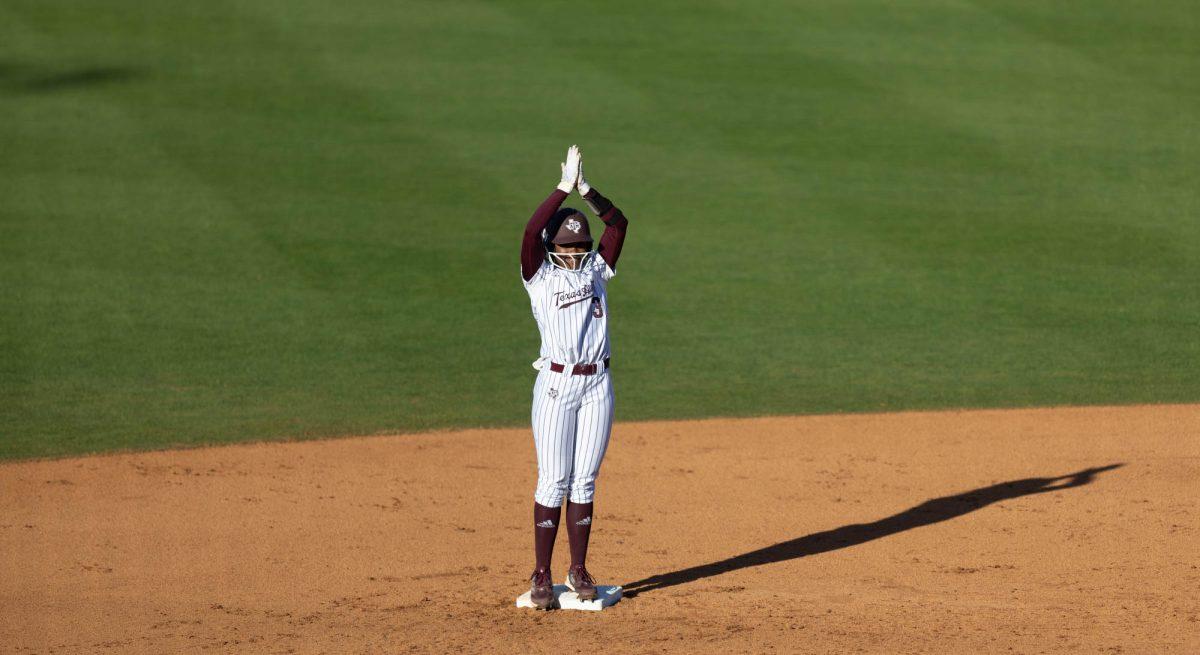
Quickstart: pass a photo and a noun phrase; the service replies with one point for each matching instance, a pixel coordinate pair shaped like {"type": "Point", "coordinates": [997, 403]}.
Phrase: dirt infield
{"type": "Point", "coordinates": [1054, 530]}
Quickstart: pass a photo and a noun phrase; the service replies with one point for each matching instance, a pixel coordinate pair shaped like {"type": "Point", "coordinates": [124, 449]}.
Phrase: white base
{"type": "Point", "coordinates": [565, 599]}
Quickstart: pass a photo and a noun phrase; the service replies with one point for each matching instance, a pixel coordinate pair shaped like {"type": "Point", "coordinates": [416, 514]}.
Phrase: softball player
{"type": "Point", "coordinates": [572, 399]}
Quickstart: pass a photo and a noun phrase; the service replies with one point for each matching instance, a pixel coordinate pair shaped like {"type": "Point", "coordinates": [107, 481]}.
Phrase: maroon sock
{"type": "Point", "coordinates": [579, 528]}
{"type": "Point", "coordinates": [545, 529]}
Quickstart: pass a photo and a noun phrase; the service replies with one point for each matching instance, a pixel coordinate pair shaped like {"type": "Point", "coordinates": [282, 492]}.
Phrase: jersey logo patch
{"type": "Point", "coordinates": [553, 393]}
{"type": "Point", "coordinates": [597, 308]}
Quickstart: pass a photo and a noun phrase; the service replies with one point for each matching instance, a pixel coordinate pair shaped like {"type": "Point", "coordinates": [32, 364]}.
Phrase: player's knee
{"type": "Point", "coordinates": [548, 481]}
{"type": "Point", "coordinates": [582, 490]}
{"type": "Point", "coordinates": [551, 490]}
{"type": "Point", "coordinates": [549, 498]}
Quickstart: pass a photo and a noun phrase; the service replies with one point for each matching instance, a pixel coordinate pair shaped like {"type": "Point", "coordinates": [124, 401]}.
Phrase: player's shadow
{"type": "Point", "coordinates": [927, 513]}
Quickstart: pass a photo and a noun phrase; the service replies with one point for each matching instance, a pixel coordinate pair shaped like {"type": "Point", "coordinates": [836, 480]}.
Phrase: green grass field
{"type": "Point", "coordinates": [224, 220]}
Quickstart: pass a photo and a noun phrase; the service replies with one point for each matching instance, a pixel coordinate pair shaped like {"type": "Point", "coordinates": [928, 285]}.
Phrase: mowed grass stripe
{"type": "Point", "coordinates": [836, 207]}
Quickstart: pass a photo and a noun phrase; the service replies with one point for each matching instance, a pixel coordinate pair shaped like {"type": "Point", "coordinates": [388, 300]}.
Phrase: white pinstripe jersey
{"type": "Point", "coordinates": [571, 310]}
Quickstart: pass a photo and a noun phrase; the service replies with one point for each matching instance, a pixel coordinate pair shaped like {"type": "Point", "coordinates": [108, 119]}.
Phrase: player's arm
{"type": "Point", "coordinates": [615, 223]}
{"type": "Point", "coordinates": [533, 251]}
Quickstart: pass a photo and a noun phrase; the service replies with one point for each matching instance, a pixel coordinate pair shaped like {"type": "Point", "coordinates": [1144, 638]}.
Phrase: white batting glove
{"type": "Point", "coordinates": [582, 184]}
{"type": "Point", "coordinates": [570, 170]}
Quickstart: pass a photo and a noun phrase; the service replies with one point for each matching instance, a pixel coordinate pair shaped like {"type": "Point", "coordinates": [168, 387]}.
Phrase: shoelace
{"type": "Point", "coordinates": [541, 578]}
{"type": "Point", "coordinates": [582, 575]}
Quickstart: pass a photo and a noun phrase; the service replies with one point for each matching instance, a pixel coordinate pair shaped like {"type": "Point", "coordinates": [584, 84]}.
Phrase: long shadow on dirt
{"type": "Point", "coordinates": [927, 513]}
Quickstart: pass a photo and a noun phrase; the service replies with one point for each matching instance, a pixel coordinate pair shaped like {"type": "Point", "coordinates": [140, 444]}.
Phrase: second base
{"type": "Point", "coordinates": [565, 599]}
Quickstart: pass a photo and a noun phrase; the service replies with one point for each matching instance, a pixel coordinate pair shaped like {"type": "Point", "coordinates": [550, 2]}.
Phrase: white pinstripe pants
{"type": "Point", "coordinates": [572, 420]}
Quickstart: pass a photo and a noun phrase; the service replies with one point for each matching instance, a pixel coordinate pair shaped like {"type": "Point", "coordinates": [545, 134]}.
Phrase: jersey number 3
{"type": "Point", "coordinates": [597, 308]}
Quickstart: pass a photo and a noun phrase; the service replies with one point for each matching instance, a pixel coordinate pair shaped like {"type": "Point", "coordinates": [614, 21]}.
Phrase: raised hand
{"type": "Point", "coordinates": [581, 183]}
{"type": "Point", "coordinates": [570, 170]}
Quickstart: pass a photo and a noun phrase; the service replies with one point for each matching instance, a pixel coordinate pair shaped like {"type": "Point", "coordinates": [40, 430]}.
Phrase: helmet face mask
{"type": "Point", "coordinates": [569, 261]}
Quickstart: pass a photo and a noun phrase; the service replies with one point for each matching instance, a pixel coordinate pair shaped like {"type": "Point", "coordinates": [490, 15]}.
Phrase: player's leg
{"type": "Point", "coordinates": [592, 430]}
{"type": "Point", "coordinates": [554, 418]}
{"type": "Point", "coordinates": [593, 426]}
